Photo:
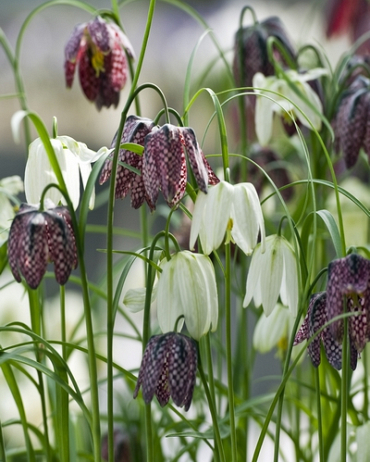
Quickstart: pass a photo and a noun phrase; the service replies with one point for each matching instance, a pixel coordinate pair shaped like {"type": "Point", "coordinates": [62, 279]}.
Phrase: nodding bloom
{"type": "Point", "coordinates": [273, 273]}
{"type": "Point", "coordinates": [276, 95]}
{"type": "Point", "coordinates": [162, 166]}
{"type": "Point", "coordinates": [349, 279]}
{"type": "Point", "coordinates": [187, 287]}
{"type": "Point", "coordinates": [99, 49]}
{"type": "Point", "coordinates": [352, 121]}
{"type": "Point", "coordinates": [37, 237]}
{"type": "Point", "coordinates": [127, 181]}
{"type": "Point", "coordinates": [74, 158]}
{"type": "Point", "coordinates": [168, 369]}
{"type": "Point", "coordinates": [231, 209]}
{"type": "Point", "coordinates": [250, 50]}
{"type": "Point", "coordinates": [317, 316]}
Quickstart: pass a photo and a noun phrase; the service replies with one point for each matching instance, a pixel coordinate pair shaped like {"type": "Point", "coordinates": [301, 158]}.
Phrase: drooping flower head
{"type": "Point", "coordinates": [349, 280]}
{"type": "Point", "coordinates": [168, 369]}
{"type": "Point", "coordinates": [250, 50]}
{"type": "Point", "coordinates": [273, 273]}
{"type": "Point", "coordinates": [276, 100]}
{"type": "Point", "coordinates": [187, 287]}
{"type": "Point", "coordinates": [317, 316]}
{"type": "Point", "coordinates": [98, 48]}
{"type": "Point", "coordinates": [352, 121]}
{"type": "Point", "coordinates": [227, 207]}
{"type": "Point", "coordinates": [74, 158]}
{"type": "Point", "coordinates": [127, 181]}
{"type": "Point", "coordinates": [162, 166]}
{"type": "Point", "coordinates": [38, 237]}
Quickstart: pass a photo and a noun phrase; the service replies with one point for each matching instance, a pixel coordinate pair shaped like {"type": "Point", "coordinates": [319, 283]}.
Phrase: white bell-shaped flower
{"type": "Point", "coordinates": [187, 287]}
{"type": "Point", "coordinates": [268, 102]}
{"type": "Point", "coordinates": [73, 158]}
{"type": "Point", "coordinates": [273, 273]}
{"type": "Point", "coordinates": [226, 206]}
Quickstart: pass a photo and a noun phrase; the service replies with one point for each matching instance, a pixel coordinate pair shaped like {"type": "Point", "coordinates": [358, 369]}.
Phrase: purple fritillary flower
{"type": "Point", "coordinates": [349, 277]}
{"type": "Point", "coordinates": [164, 164]}
{"type": "Point", "coordinates": [351, 123]}
{"type": "Point", "coordinates": [168, 369]}
{"type": "Point", "coordinates": [127, 181]}
{"type": "Point", "coordinates": [316, 318]}
{"type": "Point", "coordinates": [250, 50]}
{"type": "Point", "coordinates": [37, 237]}
{"type": "Point", "coordinates": [98, 48]}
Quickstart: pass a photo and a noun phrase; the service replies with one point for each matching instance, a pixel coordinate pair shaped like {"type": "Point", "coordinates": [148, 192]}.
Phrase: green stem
{"type": "Point", "coordinates": [319, 419]}
{"type": "Point", "coordinates": [229, 362]}
{"type": "Point", "coordinates": [62, 295]}
{"type": "Point", "coordinates": [344, 393]}
{"type": "Point", "coordinates": [212, 410]}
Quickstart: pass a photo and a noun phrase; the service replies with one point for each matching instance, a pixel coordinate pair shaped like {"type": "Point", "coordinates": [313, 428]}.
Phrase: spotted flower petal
{"type": "Point", "coordinates": [168, 369]}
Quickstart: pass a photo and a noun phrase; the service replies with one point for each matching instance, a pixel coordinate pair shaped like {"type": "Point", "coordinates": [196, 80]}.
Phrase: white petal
{"type": "Point", "coordinates": [270, 330]}
{"type": "Point", "coordinates": [85, 170]}
{"type": "Point", "coordinates": [68, 164]}
{"type": "Point", "coordinates": [134, 299]}
{"type": "Point", "coordinates": [199, 206]}
{"type": "Point", "coordinates": [169, 306]}
{"type": "Point", "coordinates": [263, 118]}
{"type": "Point", "coordinates": [314, 99]}
{"type": "Point", "coordinates": [12, 184]}
{"type": "Point", "coordinates": [253, 289]}
{"type": "Point", "coordinates": [247, 217]}
{"type": "Point", "coordinates": [16, 125]}
{"type": "Point", "coordinates": [289, 287]}
{"type": "Point", "coordinates": [216, 215]}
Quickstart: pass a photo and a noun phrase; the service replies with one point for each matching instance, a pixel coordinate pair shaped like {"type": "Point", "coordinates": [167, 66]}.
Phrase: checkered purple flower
{"type": "Point", "coordinates": [162, 166]}
{"type": "Point", "coordinates": [352, 121]}
{"type": "Point", "coordinates": [98, 48]}
{"type": "Point", "coordinates": [37, 237]}
{"type": "Point", "coordinates": [168, 369]}
{"type": "Point", "coordinates": [127, 181]}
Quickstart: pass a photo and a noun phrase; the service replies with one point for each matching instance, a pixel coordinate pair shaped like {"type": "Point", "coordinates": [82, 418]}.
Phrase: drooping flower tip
{"type": "Point", "coordinates": [168, 369]}
{"type": "Point", "coordinates": [37, 237]}
{"type": "Point", "coordinates": [273, 273]}
{"type": "Point", "coordinates": [234, 209]}
{"type": "Point", "coordinates": [98, 49]}
{"type": "Point", "coordinates": [162, 166]}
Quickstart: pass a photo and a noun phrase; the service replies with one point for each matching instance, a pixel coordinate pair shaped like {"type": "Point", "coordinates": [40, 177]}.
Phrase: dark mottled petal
{"type": "Point", "coordinates": [353, 355]}
{"type": "Point", "coordinates": [72, 47]}
{"type": "Point", "coordinates": [195, 157]}
{"type": "Point", "coordinates": [98, 30]}
{"type": "Point", "coordinates": [358, 324]}
{"type": "Point", "coordinates": [163, 392]}
{"type": "Point", "coordinates": [333, 350]}
{"type": "Point", "coordinates": [72, 249]}
{"type": "Point", "coordinates": [317, 318]}
{"type": "Point", "coordinates": [89, 81]}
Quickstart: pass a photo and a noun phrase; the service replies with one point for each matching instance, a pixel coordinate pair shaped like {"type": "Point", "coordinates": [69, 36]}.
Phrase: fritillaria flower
{"type": "Point", "coordinates": [273, 273]}
{"type": "Point", "coordinates": [168, 369]}
{"type": "Point", "coordinates": [37, 237]}
{"type": "Point", "coordinates": [280, 98]}
{"type": "Point", "coordinates": [349, 279]}
{"type": "Point", "coordinates": [352, 121]}
{"type": "Point", "coordinates": [9, 187]}
{"type": "Point", "coordinates": [250, 50]}
{"type": "Point", "coordinates": [187, 287]}
{"type": "Point", "coordinates": [162, 166]}
{"type": "Point", "coordinates": [317, 316]}
{"type": "Point", "coordinates": [127, 181]}
{"type": "Point", "coordinates": [74, 158]}
{"type": "Point", "coordinates": [227, 207]}
{"type": "Point", "coordinates": [98, 48]}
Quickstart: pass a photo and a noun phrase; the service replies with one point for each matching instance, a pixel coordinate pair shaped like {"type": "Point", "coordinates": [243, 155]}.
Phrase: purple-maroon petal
{"type": "Point", "coordinates": [72, 47]}
{"type": "Point", "coordinates": [196, 159]}
{"type": "Point", "coordinates": [98, 30]}
{"type": "Point", "coordinates": [317, 318]}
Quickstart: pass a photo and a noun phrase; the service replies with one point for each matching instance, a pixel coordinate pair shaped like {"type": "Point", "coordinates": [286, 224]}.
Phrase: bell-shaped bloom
{"type": "Point", "coordinates": [168, 369]}
{"type": "Point", "coordinates": [273, 273]}
{"type": "Point", "coordinates": [99, 49]}
{"type": "Point", "coordinates": [127, 181]}
{"type": "Point", "coordinates": [317, 316]}
{"type": "Point", "coordinates": [228, 207]}
{"type": "Point", "coordinates": [74, 158]}
{"type": "Point", "coordinates": [352, 121]}
{"type": "Point", "coordinates": [250, 50]}
{"type": "Point", "coordinates": [9, 187]}
{"type": "Point", "coordinates": [164, 164]}
{"type": "Point", "coordinates": [268, 102]}
{"type": "Point", "coordinates": [187, 287]}
{"type": "Point", "coordinates": [349, 279]}
{"type": "Point", "coordinates": [38, 237]}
